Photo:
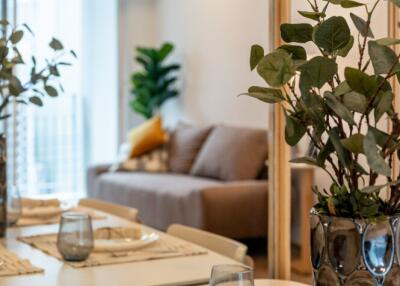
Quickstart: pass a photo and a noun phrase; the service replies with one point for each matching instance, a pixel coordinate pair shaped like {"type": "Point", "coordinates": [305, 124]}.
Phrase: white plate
{"type": "Point", "coordinates": [102, 245]}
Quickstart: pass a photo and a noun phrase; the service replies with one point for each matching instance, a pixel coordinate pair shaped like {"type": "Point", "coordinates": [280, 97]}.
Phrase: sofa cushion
{"type": "Point", "coordinates": [147, 137]}
{"type": "Point", "coordinates": [232, 153]}
{"type": "Point", "coordinates": [185, 143]}
{"type": "Point", "coordinates": [161, 199]}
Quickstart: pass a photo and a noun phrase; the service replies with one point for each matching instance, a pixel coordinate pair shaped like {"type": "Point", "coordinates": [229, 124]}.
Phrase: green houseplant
{"type": "Point", "coordinates": [353, 221]}
{"type": "Point", "coordinates": [155, 83]}
{"type": "Point", "coordinates": [15, 89]}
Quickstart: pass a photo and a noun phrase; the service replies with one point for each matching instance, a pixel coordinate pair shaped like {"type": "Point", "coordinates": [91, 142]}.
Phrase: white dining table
{"type": "Point", "coordinates": [190, 270]}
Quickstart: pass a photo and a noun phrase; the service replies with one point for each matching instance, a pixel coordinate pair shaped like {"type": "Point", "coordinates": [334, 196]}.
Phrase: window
{"type": "Point", "coordinates": [49, 153]}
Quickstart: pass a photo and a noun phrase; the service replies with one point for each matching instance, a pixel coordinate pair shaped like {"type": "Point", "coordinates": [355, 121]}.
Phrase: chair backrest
{"type": "Point", "coordinates": [220, 244]}
{"type": "Point", "coordinates": [128, 213]}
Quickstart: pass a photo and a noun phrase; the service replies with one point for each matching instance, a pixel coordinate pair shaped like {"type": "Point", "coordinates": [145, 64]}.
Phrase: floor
{"type": "Point", "coordinates": [258, 251]}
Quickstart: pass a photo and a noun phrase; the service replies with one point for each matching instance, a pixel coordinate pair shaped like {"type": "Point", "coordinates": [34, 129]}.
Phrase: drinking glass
{"type": "Point", "coordinates": [231, 275]}
{"type": "Point", "coordinates": [14, 207]}
{"type": "Point", "coordinates": [75, 236]}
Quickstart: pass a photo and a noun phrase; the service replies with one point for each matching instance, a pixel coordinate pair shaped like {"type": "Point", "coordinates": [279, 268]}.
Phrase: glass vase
{"type": "Point", "coordinates": [355, 252]}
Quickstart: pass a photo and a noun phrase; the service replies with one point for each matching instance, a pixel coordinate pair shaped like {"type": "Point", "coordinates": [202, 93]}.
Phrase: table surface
{"type": "Point", "coordinates": [173, 271]}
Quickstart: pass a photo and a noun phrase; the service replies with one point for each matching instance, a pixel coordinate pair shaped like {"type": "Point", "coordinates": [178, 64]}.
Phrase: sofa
{"type": "Point", "coordinates": [215, 180]}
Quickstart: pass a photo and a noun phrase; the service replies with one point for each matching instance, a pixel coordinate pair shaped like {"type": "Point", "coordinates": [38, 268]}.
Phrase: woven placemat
{"type": "Point", "coordinates": [11, 264]}
{"type": "Point", "coordinates": [165, 247]}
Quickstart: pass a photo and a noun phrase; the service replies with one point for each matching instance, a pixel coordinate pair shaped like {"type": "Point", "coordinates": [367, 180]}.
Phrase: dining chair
{"type": "Point", "coordinates": [220, 244]}
{"type": "Point", "coordinates": [128, 213]}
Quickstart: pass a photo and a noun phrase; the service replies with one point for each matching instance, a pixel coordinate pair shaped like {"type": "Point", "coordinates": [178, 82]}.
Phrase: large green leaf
{"type": "Point", "coordinates": [164, 51]}
{"type": "Point", "coordinates": [312, 15]}
{"type": "Point", "coordinates": [377, 188]}
{"type": "Point", "coordinates": [325, 152]}
{"type": "Point", "coordinates": [360, 81]}
{"type": "Point", "coordinates": [36, 100]}
{"type": "Point", "coordinates": [257, 53]}
{"type": "Point", "coordinates": [296, 52]}
{"type": "Point", "coordinates": [56, 45]}
{"type": "Point", "coordinates": [342, 89]}
{"type": "Point", "coordinates": [268, 95]}
{"type": "Point", "coordinates": [354, 143]}
{"type": "Point", "coordinates": [16, 36]}
{"type": "Point", "coordinates": [362, 26]}
{"type": "Point", "coordinates": [375, 161]}
{"type": "Point", "coordinates": [299, 33]}
{"type": "Point", "coordinates": [333, 34]}
{"type": "Point", "coordinates": [384, 105]}
{"type": "Point", "coordinates": [276, 68]}
{"type": "Point", "coordinates": [388, 41]}
{"type": "Point", "coordinates": [341, 153]}
{"type": "Point", "coordinates": [380, 136]}
{"type": "Point", "coordinates": [306, 160]}
{"type": "Point", "coordinates": [350, 4]}
{"type": "Point", "coordinates": [294, 130]}
{"type": "Point", "coordinates": [318, 71]}
{"type": "Point", "coordinates": [343, 52]}
{"type": "Point", "coordinates": [383, 58]}
{"type": "Point", "coordinates": [339, 108]}
{"type": "Point", "coordinates": [355, 101]}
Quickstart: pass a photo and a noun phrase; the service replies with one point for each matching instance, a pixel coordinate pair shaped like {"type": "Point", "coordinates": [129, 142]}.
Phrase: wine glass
{"type": "Point", "coordinates": [75, 236]}
{"type": "Point", "coordinates": [14, 207]}
{"type": "Point", "coordinates": [231, 275]}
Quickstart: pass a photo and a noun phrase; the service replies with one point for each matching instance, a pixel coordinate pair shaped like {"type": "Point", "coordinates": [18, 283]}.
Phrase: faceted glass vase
{"type": "Point", "coordinates": [355, 252]}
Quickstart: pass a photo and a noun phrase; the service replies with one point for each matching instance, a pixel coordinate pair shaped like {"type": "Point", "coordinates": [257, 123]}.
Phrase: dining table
{"type": "Point", "coordinates": [178, 271]}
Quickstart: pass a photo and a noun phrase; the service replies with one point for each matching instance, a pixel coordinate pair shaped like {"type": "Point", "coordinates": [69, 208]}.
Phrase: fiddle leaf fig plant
{"type": "Point", "coordinates": [153, 85]}
{"type": "Point", "coordinates": [41, 81]}
{"type": "Point", "coordinates": [342, 113]}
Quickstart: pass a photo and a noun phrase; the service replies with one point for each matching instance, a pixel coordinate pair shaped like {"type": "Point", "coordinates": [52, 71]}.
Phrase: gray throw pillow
{"type": "Point", "coordinates": [232, 153]}
{"type": "Point", "coordinates": [184, 145]}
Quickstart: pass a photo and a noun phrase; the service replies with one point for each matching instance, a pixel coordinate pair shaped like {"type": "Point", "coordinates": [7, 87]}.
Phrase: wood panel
{"type": "Point", "coordinates": [394, 32]}
{"type": "Point", "coordinates": [279, 257]}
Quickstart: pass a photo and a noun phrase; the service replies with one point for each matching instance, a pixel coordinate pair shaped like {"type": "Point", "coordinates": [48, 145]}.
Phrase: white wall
{"type": "Point", "coordinates": [138, 26]}
{"type": "Point", "coordinates": [100, 79]}
{"type": "Point", "coordinates": [212, 40]}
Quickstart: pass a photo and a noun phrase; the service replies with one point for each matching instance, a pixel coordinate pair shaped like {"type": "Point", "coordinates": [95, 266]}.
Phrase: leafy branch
{"type": "Point", "coordinates": [338, 112]}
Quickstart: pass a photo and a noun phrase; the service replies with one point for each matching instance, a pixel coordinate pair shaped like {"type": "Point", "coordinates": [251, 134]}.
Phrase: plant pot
{"type": "Point", "coordinates": [3, 185]}
{"type": "Point", "coordinates": [355, 252]}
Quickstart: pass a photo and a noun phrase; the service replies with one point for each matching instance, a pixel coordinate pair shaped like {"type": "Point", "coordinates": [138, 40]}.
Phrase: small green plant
{"type": "Point", "coordinates": [41, 82]}
{"type": "Point", "coordinates": [339, 112]}
{"type": "Point", "coordinates": [154, 84]}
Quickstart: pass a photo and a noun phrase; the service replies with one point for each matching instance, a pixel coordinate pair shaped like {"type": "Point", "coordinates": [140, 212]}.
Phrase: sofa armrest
{"type": "Point", "coordinates": [92, 173]}
{"type": "Point", "coordinates": [236, 209]}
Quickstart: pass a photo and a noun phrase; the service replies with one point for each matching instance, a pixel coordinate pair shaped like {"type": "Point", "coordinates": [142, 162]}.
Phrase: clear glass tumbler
{"type": "Point", "coordinates": [75, 236]}
{"type": "Point", "coordinates": [14, 207]}
{"type": "Point", "coordinates": [231, 275]}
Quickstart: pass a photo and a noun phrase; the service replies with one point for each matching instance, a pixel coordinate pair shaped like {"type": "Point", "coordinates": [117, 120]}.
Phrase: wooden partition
{"type": "Point", "coordinates": [394, 32]}
{"type": "Point", "coordinates": [279, 257]}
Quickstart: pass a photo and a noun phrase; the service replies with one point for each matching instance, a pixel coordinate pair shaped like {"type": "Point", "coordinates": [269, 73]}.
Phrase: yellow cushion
{"type": "Point", "coordinates": [147, 137]}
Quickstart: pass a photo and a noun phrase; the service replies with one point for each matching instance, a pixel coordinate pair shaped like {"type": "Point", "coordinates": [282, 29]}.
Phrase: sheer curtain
{"type": "Point", "coordinates": [49, 148]}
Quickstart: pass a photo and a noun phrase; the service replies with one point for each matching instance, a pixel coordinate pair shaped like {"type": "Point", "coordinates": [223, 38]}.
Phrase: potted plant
{"type": "Point", "coordinates": [154, 85]}
{"type": "Point", "coordinates": [355, 232]}
{"type": "Point", "coordinates": [19, 88]}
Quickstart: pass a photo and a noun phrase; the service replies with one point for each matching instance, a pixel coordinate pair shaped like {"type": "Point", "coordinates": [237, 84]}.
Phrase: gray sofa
{"type": "Point", "coordinates": [221, 187]}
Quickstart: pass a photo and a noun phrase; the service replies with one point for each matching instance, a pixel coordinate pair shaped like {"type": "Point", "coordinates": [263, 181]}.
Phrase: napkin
{"type": "Point", "coordinates": [43, 209]}
{"type": "Point", "coordinates": [134, 232]}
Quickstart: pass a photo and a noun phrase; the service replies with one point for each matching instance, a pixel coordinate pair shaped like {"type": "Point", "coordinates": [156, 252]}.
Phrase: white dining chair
{"type": "Point", "coordinates": [128, 213]}
{"type": "Point", "coordinates": [220, 244]}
